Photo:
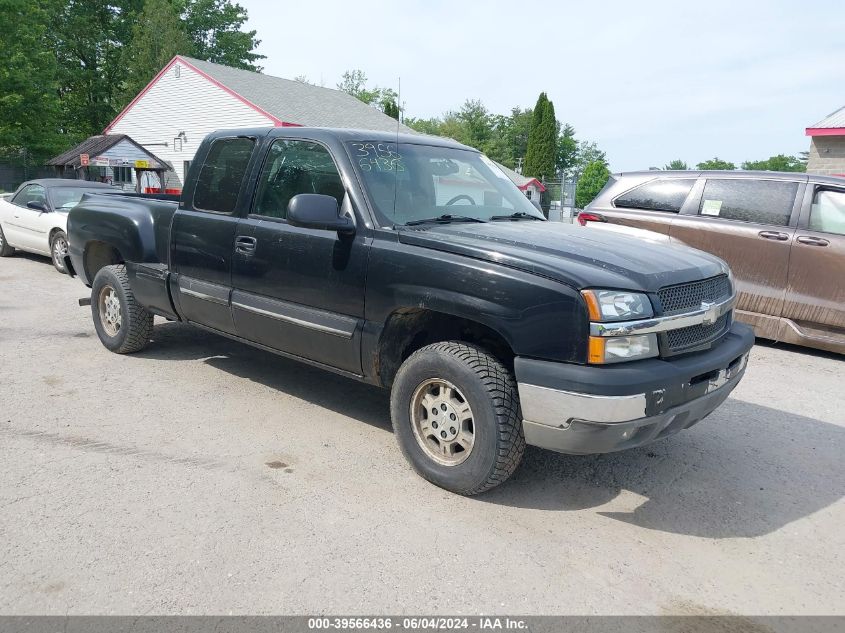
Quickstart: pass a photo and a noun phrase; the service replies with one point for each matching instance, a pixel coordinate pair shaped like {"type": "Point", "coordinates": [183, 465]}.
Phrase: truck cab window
{"type": "Point", "coordinates": [295, 167]}
{"type": "Point", "coordinates": [222, 173]}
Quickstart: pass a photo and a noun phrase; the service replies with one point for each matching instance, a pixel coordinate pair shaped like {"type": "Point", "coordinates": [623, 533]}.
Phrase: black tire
{"type": "Point", "coordinates": [136, 323]}
{"type": "Point", "coordinates": [59, 237]}
{"type": "Point", "coordinates": [489, 389]}
{"type": "Point", "coordinates": [5, 249]}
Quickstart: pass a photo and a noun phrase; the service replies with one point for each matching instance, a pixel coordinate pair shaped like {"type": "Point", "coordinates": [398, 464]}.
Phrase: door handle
{"type": "Point", "coordinates": [245, 244]}
{"type": "Point", "coordinates": [809, 240]}
{"type": "Point", "coordinates": [774, 235]}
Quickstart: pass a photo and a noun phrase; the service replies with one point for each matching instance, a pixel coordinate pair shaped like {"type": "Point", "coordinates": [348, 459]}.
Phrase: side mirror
{"type": "Point", "coordinates": [316, 211]}
{"type": "Point", "coordinates": [38, 206]}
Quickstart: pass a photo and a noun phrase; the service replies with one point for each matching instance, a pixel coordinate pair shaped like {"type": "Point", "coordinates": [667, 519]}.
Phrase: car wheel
{"type": "Point", "coordinates": [58, 249]}
{"type": "Point", "coordinates": [123, 325]}
{"type": "Point", "coordinates": [456, 416]}
{"type": "Point", "coordinates": [5, 249]}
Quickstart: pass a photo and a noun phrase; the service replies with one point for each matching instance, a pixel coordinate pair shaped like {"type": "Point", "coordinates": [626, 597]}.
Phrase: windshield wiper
{"type": "Point", "coordinates": [444, 219]}
{"type": "Point", "coordinates": [519, 215]}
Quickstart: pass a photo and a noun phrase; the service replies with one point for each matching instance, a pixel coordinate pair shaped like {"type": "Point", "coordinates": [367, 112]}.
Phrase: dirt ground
{"type": "Point", "coordinates": [203, 476]}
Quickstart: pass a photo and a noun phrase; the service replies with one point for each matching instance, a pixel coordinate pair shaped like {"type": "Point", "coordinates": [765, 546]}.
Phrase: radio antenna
{"type": "Point", "coordinates": [395, 179]}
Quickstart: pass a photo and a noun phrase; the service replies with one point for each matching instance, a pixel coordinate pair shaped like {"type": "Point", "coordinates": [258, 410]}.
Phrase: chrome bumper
{"type": "Point", "coordinates": [582, 423]}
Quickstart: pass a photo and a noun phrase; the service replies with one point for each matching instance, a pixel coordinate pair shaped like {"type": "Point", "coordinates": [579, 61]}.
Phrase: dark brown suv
{"type": "Point", "coordinates": [783, 235]}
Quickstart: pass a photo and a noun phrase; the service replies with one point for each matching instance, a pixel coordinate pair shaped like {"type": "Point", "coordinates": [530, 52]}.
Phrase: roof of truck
{"type": "Point", "coordinates": [347, 135]}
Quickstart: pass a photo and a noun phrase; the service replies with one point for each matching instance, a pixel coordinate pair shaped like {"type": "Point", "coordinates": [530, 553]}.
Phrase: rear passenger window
{"type": "Point", "coordinates": [295, 167]}
{"type": "Point", "coordinates": [758, 201]}
{"type": "Point", "coordinates": [222, 173]}
{"type": "Point", "coordinates": [658, 195]}
{"type": "Point", "coordinates": [828, 212]}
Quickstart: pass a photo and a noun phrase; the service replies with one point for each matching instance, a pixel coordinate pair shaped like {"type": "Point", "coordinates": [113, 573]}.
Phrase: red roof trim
{"type": "Point", "coordinates": [826, 131]}
{"type": "Point", "coordinates": [276, 121]}
{"type": "Point", "coordinates": [533, 181]}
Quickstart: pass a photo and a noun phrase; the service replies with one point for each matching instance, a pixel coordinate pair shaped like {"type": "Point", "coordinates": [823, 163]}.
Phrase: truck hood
{"type": "Point", "coordinates": [571, 255]}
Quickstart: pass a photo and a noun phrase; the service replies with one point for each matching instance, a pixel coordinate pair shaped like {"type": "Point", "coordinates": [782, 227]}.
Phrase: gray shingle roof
{"type": "Point", "coordinates": [836, 119]}
{"type": "Point", "coordinates": [94, 145]}
{"type": "Point", "coordinates": [297, 102]}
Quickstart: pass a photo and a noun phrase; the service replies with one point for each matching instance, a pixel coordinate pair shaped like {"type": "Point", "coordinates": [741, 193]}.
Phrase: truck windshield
{"type": "Point", "coordinates": [409, 183]}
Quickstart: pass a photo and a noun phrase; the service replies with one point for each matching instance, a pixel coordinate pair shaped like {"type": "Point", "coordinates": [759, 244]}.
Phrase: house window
{"type": "Point", "coordinates": [122, 175]}
{"type": "Point", "coordinates": [528, 194]}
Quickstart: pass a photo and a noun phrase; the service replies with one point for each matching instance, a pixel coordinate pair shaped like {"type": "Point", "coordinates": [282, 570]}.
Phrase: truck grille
{"type": "Point", "coordinates": [686, 338]}
{"type": "Point", "coordinates": [686, 297]}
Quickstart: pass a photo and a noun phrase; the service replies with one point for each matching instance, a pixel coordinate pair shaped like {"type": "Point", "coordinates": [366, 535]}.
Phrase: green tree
{"type": "Point", "coordinates": [390, 108]}
{"type": "Point", "coordinates": [593, 180]}
{"type": "Point", "coordinates": [157, 36]}
{"type": "Point", "coordinates": [776, 163]}
{"type": "Point", "coordinates": [588, 152]}
{"type": "Point", "coordinates": [541, 152]}
{"type": "Point", "coordinates": [354, 82]}
{"type": "Point", "coordinates": [677, 164]}
{"type": "Point", "coordinates": [88, 38]}
{"type": "Point", "coordinates": [425, 126]}
{"type": "Point", "coordinates": [567, 149]}
{"type": "Point", "coordinates": [215, 28]}
{"type": "Point", "coordinates": [29, 97]}
{"type": "Point", "coordinates": [716, 163]}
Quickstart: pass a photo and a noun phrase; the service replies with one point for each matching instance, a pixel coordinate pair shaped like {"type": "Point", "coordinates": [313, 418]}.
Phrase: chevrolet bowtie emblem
{"type": "Point", "coordinates": [711, 313]}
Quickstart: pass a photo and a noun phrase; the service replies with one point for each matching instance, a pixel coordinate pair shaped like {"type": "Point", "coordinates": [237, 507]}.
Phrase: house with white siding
{"type": "Point", "coordinates": [190, 98]}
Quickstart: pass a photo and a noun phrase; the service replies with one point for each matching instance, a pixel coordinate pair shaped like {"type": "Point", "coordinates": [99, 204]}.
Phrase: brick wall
{"type": "Point", "coordinates": [827, 155]}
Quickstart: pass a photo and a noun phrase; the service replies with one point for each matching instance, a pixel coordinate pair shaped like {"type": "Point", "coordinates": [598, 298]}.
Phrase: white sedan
{"type": "Point", "coordinates": [34, 218]}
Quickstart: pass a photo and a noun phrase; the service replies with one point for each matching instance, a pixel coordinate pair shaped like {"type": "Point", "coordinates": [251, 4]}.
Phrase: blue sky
{"type": "Point", "coordinates": [647, 81]}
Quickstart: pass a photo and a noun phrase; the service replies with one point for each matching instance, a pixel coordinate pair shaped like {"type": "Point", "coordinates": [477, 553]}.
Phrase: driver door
{"type": "Point", "coordinates": [26, 226]}
{"type": "Point", "coordinates": [299, 290]}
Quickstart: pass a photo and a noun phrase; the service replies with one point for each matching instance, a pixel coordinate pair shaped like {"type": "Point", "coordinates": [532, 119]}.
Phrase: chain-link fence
{"type": "Point", "coordinates": [17, 166]}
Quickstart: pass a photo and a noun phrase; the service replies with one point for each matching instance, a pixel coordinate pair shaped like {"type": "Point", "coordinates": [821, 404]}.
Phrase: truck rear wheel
{"type": "Point", "coordinates": [456, 416]}
{"type": "Point", "coordinates": [123, 325]}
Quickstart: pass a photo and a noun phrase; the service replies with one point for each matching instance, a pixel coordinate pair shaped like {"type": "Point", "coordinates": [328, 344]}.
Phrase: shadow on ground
{"type": "Point", "coordinates": [746, 471]}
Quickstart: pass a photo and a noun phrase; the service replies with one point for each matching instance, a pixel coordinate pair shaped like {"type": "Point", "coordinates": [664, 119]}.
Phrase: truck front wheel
{"type": "Point", "coordinates": [123, 325]}
{"type": "Point", "coordinates": [456, 416]}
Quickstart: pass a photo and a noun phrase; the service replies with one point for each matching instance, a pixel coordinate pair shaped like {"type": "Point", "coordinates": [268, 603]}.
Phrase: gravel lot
{"type": "Point", "coordinates": [202, 476]}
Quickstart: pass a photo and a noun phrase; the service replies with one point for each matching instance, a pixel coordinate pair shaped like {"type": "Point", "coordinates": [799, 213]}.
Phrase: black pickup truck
{"type": "Point", "coordinates": [415, 264]}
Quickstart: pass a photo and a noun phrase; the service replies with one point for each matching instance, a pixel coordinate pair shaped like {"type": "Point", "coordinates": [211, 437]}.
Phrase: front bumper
{"type": "Point", "coordinates": [583, 409]}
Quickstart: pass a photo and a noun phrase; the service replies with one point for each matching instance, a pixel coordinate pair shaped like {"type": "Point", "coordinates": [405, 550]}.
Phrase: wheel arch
{"type": "Point", "coordinates": [97, 255]}
{"type": "Point", "coordinates": [410, 328]}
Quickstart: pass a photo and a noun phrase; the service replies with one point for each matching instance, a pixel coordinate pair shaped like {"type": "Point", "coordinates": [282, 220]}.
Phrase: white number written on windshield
{"type": "Point", "coordinates": [378, 157]}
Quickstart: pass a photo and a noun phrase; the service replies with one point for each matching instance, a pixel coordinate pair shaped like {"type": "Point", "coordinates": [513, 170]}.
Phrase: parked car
{"type": "Point", "coordinates": [415, 264]}
{"type": "Point", "coordinates": [783, 235]}
{"type": "Point", "coordinates": [34, 218]}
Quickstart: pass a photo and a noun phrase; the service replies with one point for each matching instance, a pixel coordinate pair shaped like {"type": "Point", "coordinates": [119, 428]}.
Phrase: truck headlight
{"type": "Point", "coordinates": [613, 306]}
{"type": "Point", "coordinates": [617, 305]}
{"type": "Point", "coordinates": [617, 349]}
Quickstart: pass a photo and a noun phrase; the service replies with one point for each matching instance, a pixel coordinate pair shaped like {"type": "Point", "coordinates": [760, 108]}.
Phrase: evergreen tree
{"type": "Point", "coordinates": [541, 152]}
{"type": "Point", "coordinates": [592, 181]}
{"type": "Point", "coordinates": [677, 164]}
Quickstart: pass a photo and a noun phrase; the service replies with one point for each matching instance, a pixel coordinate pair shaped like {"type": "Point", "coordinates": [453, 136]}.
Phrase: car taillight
{"type": "Point", "coordinates": [586, 216]}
